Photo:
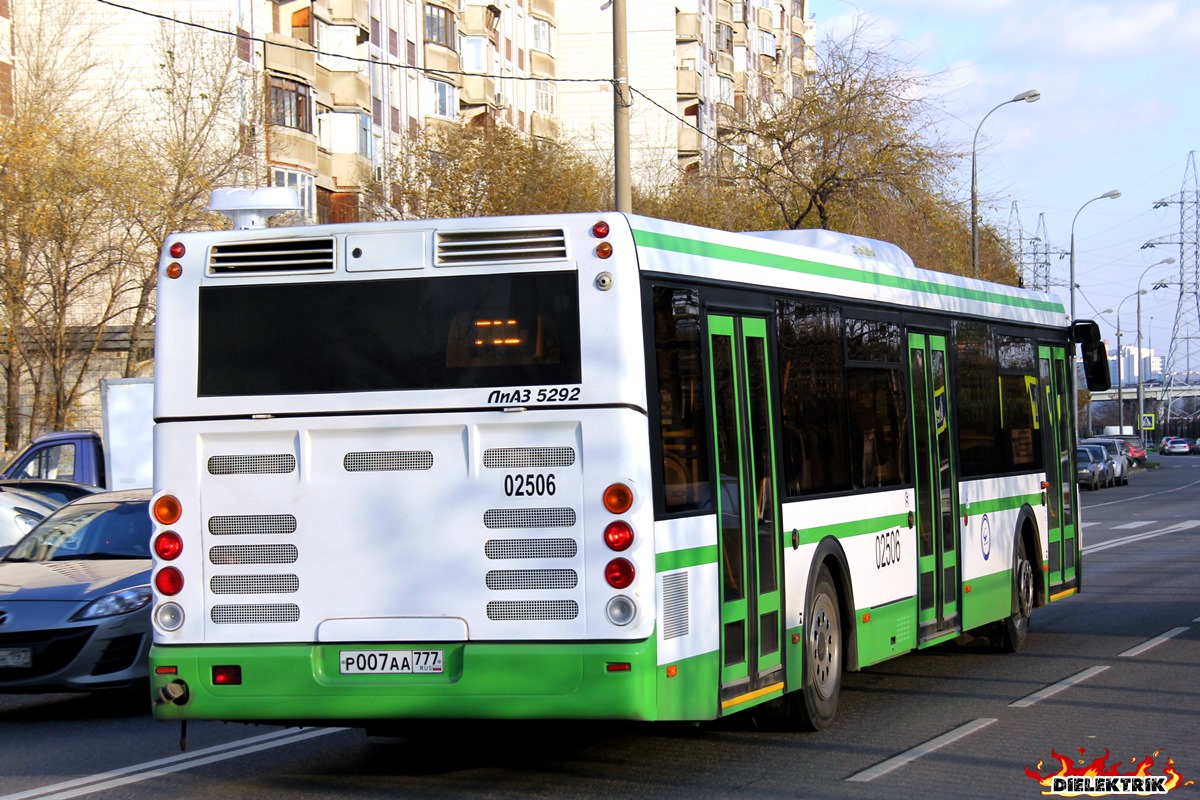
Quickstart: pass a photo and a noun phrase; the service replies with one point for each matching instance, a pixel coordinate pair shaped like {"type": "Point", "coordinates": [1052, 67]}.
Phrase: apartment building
{"type": "Point", "coordinates": [349, 83]}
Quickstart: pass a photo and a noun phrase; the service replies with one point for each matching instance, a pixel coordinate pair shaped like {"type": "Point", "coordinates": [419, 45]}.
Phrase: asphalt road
{"type": "Point", "coordinates": [1112, 674]}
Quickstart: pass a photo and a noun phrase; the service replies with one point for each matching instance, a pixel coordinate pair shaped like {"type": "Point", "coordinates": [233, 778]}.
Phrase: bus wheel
{"type": "Point", "coordinates": [815, 704]}
{"type": "Point", "coordinates": [1016, 627]}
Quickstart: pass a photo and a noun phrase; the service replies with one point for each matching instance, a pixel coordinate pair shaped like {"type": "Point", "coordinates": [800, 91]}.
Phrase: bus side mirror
{"type": "Point", "coordinates": [1095, 366]}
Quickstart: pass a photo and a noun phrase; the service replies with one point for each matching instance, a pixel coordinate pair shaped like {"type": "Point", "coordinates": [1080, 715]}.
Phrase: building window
{"type": "Point", "coordinates": [244, 51]}
{"type": "Point", "coordinates": [439, 26]}
{"type": "Point", "coordinates": [542, 31]}
{"type": "Point", "coordinates": [445, 101]}
{"type": "Point", "coordinates": [474, 53]}
{"type": "Point", "coordinates": [766, 43]}
{"type": "Point", "coordinates": [797, 46]}
{"type": "Point", "coordinates": [364, 134]}
{"type": "Point", "coordinates": [291, 104]}
{"type": "Point", "coordinates": [725, 90]}
{"type": "Point", "coordinates": [303, 184]}
{"type": "Point", "coordinates": [337, 46]}
{"type": "Point", "coordinates": [724, 37]}
{"type": "Point", "coordinates": [544, 96]}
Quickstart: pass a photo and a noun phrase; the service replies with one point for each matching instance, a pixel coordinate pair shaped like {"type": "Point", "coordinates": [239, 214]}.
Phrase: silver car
{"type": "Point", "coordinates": [75, 598]}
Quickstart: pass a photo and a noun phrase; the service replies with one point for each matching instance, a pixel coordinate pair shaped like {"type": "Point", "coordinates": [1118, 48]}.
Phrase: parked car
{"type": "Point", "coordinates": [75, 598]}
{"type": "Point", "coordinates": [1138, 451]}
{"type": "Point", "coordinates": [20, 510]}
{"type": "Point", "coordinates": [1090, 468]}
{"type": "Point", "coordinates": [1102, 457]}
{"type": "Point", "coordinates": [1121, 463]}
{"type": "Point", "coordinates": [59, 491]}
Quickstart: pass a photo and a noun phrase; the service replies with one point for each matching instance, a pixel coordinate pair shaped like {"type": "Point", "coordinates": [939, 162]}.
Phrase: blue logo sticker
{"type": "Point", "coordinates": [985, 537]}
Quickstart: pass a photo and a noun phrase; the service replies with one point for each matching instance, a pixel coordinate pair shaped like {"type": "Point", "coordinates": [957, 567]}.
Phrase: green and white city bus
{"type": "Point", "coordinates": [590, 466]}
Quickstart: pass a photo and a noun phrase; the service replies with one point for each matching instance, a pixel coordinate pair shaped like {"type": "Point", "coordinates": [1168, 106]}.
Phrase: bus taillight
{"type": "Point", "coordinates": [177, 250]}
{"type": "Point", "coordinates": [168, 545]}
{"type": "Point", "coordinates": [619, 573]}
{"type": "Point", "coordinates": [618, 498]}
{"type": "Point", "coordinates": [599, 230]}
{"type": "Point", "coordinates": [169, 581]}
{"type": "Point", "coordinates": [618, 535]}
{"type": "Point", "coordinates": [167, 510]}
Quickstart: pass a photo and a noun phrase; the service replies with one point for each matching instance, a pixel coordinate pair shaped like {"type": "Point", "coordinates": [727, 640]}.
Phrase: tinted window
{"type": "Point", "coordinates": [390, 335]}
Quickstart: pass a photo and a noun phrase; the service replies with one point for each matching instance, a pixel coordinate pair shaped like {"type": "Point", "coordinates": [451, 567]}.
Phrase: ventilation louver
{"type": "Point", "coordinates": [497, 247]}
{"type": "Point", "coordinates": [273, 255]}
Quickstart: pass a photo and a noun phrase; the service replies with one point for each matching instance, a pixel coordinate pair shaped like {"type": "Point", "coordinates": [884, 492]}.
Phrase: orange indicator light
{"type": "Point", "coordinates": [866, 618]}
{"type": "Point", "coordinates": [672, 671]}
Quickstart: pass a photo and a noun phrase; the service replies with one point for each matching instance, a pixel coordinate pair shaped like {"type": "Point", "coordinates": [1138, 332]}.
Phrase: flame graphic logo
{"type": "Point", "coordinates": [1100, 768]}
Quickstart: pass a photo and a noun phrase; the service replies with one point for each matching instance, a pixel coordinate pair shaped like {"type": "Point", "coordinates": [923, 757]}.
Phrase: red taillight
{"type": "Point", "coordinates": [618, 498]}
{"type": "Point", "coordinates": [599, 230]}
{"type": "Point", "coordinates": [230, 675]}
{"type": "Point", "coordinates": [619, 573]}
{"type": "Point", "coordinates": [168, 545]}
{"type": "Point", "coordinates": [167, 510]}
{"type": "Point", "coordinates": [176, 250]}
{"type": "Point", "coordinates": [169, 581]}
{"type": "Point", "coordinates": [618, 535]}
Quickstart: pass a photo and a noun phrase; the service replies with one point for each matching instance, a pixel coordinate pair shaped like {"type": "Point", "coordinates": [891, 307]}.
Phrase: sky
{"type": "Point", "coordinates": [1120, 109]}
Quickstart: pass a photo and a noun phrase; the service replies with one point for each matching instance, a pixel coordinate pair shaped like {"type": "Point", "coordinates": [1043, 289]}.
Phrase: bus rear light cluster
{"type": "Point", "coordinates": [619, 572]}
{"type": "Point", "coordinates": [600, 230]}
{"type": "Point", "coordinates": [169, 581]}
{"type": "Point", "coordinates": [168, 545]}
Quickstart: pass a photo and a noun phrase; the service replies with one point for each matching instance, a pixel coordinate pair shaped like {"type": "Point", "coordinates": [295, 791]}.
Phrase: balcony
{"type": "Point", "coordinates": [477, 90]}
{"type": "Point", "coordinates": [725, 64]}
{"type": "Point", "coordinates": [727, 118]}
{"type": "Point", "coordinates": [357, 11]}
{"type": "Point", "coordinates": [292, 147]}
{"type": "Point", "coordinates": [543, 125]}
{"type": "Point", "coordinates": [289, 56]}
{"type": "Point", "coordinates": [544, 9]}
{"type": "Point", "coordinates": [541, 65]}
{"type": "Point", "coordinates": [479, 20]}
{"type": "Point", "coordinates": [764, 18]}
{"type": "Point", "coordinates": [687, 83]}
{"type": "Point", "coordinates": [725, 11]}
{"type": "Point", "coordinates": [349, 90]}
{"type": "Point", "coordinates": [350, 170]}
{"type": "Point", "coordinates": [687, 27]}
{"type": "Point", "coordinates": [689, 140]}
{"type": "Point", "coordinates": [441, 58]}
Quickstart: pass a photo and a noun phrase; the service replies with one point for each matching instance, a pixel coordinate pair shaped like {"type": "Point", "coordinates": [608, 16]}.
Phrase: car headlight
{"type": "Point", "coordinates": [121, 602]}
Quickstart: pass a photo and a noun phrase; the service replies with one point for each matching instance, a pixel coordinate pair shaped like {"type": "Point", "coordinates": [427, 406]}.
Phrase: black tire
{"type": "Point", "coordinates": [813, 707]}
{"type": "Point", "coordinates": [1016, 627]}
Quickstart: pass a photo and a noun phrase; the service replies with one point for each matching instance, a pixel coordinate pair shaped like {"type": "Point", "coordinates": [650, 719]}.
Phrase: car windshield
{"type": "Point", "coordinates": [88, 531]}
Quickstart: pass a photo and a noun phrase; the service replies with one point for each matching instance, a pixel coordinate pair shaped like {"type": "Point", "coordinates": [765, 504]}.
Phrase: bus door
{"type": "Point", "coordinates": [747, 508]}
{"type": "Point", "coordinates": [1060, 477]}
{"type": "Point", "coordinates": [936, 490]}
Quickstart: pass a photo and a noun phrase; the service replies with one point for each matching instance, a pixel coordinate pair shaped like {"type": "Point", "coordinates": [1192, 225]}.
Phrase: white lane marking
{"type": "Point", "coordinates": [1138, 537]}
{"type": "Point", "coordinates": [165, 766]}
{"type": "Point", "coordinates": [1050, 691]}
{"type": "Point", "coordinates": [1155, 642]}
{"type": "Point", "coordinates": [896, 762]}
{"type": "Point", "coordinates": [1128, 526]}
{"type": "Point", "coordinates": [1125, 498]}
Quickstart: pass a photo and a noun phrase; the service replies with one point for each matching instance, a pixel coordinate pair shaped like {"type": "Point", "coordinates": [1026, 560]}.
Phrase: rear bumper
{"type": "Point", "coordinates": [302, 684]}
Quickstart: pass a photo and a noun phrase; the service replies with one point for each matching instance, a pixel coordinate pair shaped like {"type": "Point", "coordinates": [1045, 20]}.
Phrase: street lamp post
{"type": "Point", "coordinates": [1028, 96]}
{"type": "Point", "coordinates": [1141, 396]}
{"type": "Point", "coordinates": [1111, 194]}
{"type": "Point", "coordinates": [1120, 358]}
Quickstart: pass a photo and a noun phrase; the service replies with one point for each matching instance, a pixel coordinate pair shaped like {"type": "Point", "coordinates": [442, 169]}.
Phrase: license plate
{"type": "Point", "coordinates": [18, 657]}
{"type": "Point", "coordinates": [390, 662]}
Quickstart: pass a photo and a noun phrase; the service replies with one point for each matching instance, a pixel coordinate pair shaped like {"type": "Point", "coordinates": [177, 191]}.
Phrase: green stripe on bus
{"type": "Point", "coordinates": [682, 559]}
{"type": "Point", "coordinates": [1002, 503]}
{"type": "Point", "coordinates": [843, 530]}
{"type": "Point", "coordinates": [679, 244]}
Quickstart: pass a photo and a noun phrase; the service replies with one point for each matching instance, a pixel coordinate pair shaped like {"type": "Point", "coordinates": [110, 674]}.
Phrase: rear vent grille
{"type": "Point", "coordinates": [491, 247]}
{"type": "Point", "coordinates": [675, 605]}
{"type": "Point", "coordinates": [388, 461]}
{"type": "Point", "coordinates": [275, 255]}
{"type": "Point", "coordinates": [502, 610]}
{"type": "Point", "coordinates": [528, 457]}
{"type": "Point", "coordinates": [525, 579]}
{"type": "Point", "coordinates": [529, 517]}
{"type": "Point", "coordinates": [250, 615]}
{"type": "Point", "coordinates": [530, 548]}
{"type": "Point", "coordinates": [266, 464]}
{"type": "Point", "coordinates": [253, 554]}
{"type": "Point", "coordinates": [254, 584]}
{"type": "Point", "coordinates": [253, 524]}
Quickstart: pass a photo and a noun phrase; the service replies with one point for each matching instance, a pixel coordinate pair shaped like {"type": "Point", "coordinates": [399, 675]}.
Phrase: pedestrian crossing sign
{"type": "Point", "coordinates": [1147, 422]}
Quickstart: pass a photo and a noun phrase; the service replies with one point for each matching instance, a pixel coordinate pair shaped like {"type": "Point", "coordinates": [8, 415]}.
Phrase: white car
{"type": "Point", "coordinates": [1176, 446]}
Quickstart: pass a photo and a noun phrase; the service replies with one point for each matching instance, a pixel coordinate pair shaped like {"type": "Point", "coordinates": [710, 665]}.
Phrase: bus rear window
{"type": "Point", "coordinates": [389, 335]}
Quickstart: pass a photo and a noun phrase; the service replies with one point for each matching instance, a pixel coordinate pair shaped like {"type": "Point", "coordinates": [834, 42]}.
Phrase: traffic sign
{"type": "Point", "coordinates": [1147, 422]}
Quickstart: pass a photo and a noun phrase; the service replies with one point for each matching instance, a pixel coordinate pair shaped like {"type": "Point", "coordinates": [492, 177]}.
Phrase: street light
{"type": "Point", "coordinates": [1111, 194]}
{"type": "Point", "coordinates": [1028, 96]}
{"type": "Point", "coordinates": [1120, 383]}
{"type": "Point", "coordinates": [1140, 390]}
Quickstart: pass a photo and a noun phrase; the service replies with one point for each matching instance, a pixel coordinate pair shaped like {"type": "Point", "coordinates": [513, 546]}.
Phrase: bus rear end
{"type": "Point", "coordinates": [402, 471]}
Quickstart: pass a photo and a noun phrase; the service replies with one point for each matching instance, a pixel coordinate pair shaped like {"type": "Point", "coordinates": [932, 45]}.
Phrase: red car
{"type": "Point", "coordinates": [1137, 452]}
